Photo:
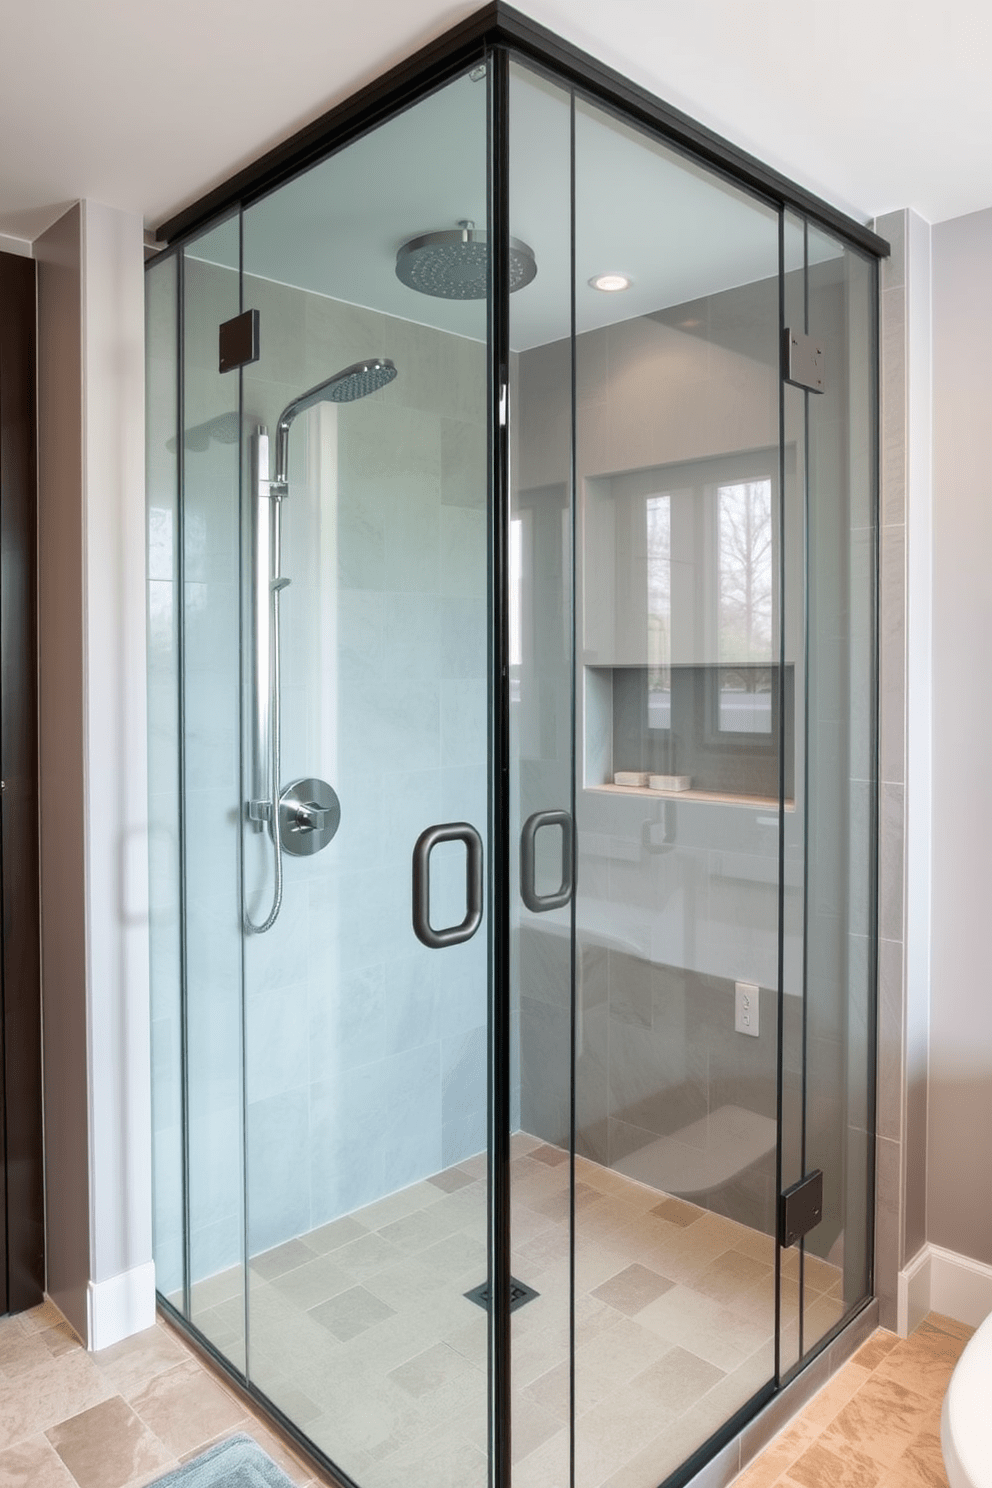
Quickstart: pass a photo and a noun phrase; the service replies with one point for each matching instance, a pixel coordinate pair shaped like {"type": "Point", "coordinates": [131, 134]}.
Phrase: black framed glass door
{"type": "Point", "coordinates": [516, 596]}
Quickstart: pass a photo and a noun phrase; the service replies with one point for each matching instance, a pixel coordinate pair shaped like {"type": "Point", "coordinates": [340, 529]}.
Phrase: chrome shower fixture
{"type": "Point", "coordinates": [454, 264]}
{"type": "Point", "coordinates": [304, 817]}
{"type": "Point", "coordinates": [354, 382]}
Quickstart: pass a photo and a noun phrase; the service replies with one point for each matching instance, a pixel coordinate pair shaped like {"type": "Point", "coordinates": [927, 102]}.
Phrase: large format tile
{"type": "Point", "coordinates": [819, 1466]}
{"type": "Point", "coordinates": [703, 1326]}
{"type": "Point", "coordinates": [923, 1363]}
{"type": "Point", "coordinates": [132, 1363]}
{"type": "Point", "coordinates": [351, 1312]}
{"type": "Point", "coordinates": [20, 1350]}
{"type": "Point", "coordinates": [108, 1446]}
{"type": "Point", "coordinates": [678, 1379]}
{"type": "Point", "coordinates": [880, 1420]}
{"type": "Point", "coordinates": [186, 1408]}
{"type": "Point", "coordinates": [633, 1288]}
{"type": "Point", "coordinates": [51, 1392]}
{"type": "Point", "coordinates": [34, 1464]}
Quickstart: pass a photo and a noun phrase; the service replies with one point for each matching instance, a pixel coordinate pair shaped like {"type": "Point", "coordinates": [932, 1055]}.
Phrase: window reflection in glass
{"type": "Point", "coordinates": [515, 617]}
{"type": "Point", "coordinates": [658, 511]}
{"type": "Point", "coordinates": [744, 534]}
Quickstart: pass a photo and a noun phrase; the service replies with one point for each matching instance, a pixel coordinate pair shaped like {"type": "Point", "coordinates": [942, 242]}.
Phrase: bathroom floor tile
{"type": "Point", "coordinates": [678, 1212]}
{"type": "Point", "coordinates": [108, 1446]}
{"type": "Point", "coordinates": [633, 1288]}
{"type": "Point", "coordinates": [185, 1409]}
{"type": "Point", "coordinates": [130, 1365]}
{"type": "Point", "coordinates": [34, 1464]}
{"type": "Point", "coordinates": [876, 1424]}
{"type": "Point", "coordinates": [351, 1312]}
{"type": "Point", "coordinates": [404, 1397]}
{"type": "Point", "coordinates": [272, 1263]}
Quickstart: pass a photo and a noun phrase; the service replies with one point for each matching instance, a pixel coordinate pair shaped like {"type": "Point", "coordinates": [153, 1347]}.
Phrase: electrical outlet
{"type": "Point", "coordinates": [746, 1008]}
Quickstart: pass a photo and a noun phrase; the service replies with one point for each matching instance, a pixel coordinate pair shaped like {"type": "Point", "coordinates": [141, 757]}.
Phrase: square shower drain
{"type": "Point", "coordinates": [520, 1293]}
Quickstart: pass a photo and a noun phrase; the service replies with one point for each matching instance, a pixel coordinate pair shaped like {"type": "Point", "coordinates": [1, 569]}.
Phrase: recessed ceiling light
{"type": "Point", "coordinates": [610, 283]}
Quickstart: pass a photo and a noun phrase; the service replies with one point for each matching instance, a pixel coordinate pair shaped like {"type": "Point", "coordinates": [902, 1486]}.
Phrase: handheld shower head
{"type": "Point", "coordinates": [347, 386]}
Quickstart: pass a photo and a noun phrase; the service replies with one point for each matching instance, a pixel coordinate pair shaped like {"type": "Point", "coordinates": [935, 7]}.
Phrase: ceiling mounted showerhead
{"type": "Point", "coordinates": [454, 264]}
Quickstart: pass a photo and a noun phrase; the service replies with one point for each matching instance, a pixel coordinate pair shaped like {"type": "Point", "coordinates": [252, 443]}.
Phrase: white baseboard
{"type": "Point", "coordinates": [938, 1280]}
{"type": "Point", "coordinates": [121, 1306]}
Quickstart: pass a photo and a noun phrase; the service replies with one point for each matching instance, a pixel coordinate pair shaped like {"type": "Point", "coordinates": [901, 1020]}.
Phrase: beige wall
{"type": "Point", "coordinates": [63, 831]}
{"type": "Point", "coordinates": [959, 1193]}
{"type": "Point", "coordinates": [905, 765]}
{"type": "Point", "coordinates": [93, 771]}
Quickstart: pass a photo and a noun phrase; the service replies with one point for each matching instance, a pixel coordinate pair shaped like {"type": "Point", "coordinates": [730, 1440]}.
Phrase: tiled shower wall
{"type": "Point", "coordinates": [364, 1052]}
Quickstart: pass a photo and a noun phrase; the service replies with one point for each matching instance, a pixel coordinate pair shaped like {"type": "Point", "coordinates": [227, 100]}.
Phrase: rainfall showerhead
{"type": "Point", "coordinates": [454, 265]}
{"type": "Point", "coordinates": [354, 382]}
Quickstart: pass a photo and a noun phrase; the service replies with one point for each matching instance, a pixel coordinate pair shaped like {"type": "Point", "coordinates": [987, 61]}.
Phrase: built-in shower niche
{"type": "Point", "coordinates": [714, 726]}
{"type": "Point", "coordinates": [682, 627]}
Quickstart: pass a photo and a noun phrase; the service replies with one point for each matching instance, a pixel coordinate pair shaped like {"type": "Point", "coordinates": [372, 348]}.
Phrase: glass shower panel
{"type": "Point", "coordinates": [211, 769]}
{"type": "Point", "coordinates": [793, 517]}
{"type": "Point", "coordinates": [366, 1049]}
{"type": "Point", "coordinates": [541, 778]}
{"type": "Point", "coordinates": [681, 698]}
{"type": "Point", "coordinates": [162, 487]}
{"type": "Point", "coordinates": [840, 782]}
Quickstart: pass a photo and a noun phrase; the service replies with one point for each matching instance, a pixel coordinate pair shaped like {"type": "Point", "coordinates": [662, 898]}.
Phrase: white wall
{"type": "Point", "coordinates": [959, 1194]}
{"type": "Point", "coordinates": [93, 771]}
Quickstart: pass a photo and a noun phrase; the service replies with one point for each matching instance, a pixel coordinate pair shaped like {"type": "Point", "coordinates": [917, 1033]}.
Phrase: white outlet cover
{"type": "Point", "coordinates": [746, 995]}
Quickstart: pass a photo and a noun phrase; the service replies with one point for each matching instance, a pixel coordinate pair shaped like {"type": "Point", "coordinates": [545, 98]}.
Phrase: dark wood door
{"type": "Point", "coordinates": [22, 1235]}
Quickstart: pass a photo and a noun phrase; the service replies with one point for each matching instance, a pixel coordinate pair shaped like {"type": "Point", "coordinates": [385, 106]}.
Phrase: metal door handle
{"type": "Point", "coordinates": [540, 903]}
{"type": "Point", "coordinates": [426, 842]}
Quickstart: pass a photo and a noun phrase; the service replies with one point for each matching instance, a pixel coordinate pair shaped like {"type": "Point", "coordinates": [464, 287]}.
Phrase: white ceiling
{"type": "Point", "coordinates": [676, 232]}
{"type": "Point", "coordinates": [874, 104]}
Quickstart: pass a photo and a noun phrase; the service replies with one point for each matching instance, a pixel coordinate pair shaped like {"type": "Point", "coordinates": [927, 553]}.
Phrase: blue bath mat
{"type": "Point", "coordinates": [238, 1462]}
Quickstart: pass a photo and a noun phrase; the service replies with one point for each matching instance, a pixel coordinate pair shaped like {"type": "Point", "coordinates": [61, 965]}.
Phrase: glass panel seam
{"type": "Point", "coordinates": [181, 767]}
{"type": "Point", "coordinates": [498, 309]}
{"type": "Point", "coordinates": [573, 804]}
{"type": "Point", "coordinates": [243, 796]}
{"type": "Point", "coordinates": [780, 1063]}
{"type": "Point", "coordinates": [806, 574]}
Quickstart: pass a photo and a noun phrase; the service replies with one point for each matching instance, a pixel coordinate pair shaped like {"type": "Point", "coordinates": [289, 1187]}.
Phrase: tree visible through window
{"type": "Point", "coordinates": [744, 534]}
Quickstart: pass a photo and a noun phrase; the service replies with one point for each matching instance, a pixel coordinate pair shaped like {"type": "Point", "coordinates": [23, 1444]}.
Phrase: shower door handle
{"type": "Point", "coordinates": [540, 903]}
{"type": "Point", "coordinates": [426, 842]}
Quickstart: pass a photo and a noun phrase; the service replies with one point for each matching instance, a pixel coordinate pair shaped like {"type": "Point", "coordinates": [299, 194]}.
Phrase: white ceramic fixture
{"type": "Point", "coordinates": [965, 1421]}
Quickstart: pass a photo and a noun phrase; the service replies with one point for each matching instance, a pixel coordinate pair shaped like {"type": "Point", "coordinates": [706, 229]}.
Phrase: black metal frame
{"type": "Point", "coordinates": [499, 25]}
{"type": "Point", "coordinates": [496, 35]}
{"type": "Point", "coordinates": [498, 85]}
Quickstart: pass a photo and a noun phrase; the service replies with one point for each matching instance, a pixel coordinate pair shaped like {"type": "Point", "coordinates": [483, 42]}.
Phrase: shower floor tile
{"type": "Point", "coordinates": [362, 1326]}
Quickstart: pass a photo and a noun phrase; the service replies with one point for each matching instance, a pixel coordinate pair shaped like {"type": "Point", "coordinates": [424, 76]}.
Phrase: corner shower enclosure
{"type": "Point", "coordinates": [512, 757]}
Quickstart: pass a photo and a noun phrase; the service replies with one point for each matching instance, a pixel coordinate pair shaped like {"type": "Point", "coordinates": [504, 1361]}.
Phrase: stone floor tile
{"type": "Point", "coordinates": [108, 1446]}
{"type": "Point", "coordinates": [631, 1289]}
{"type": "Point", "coordinates": [34, 1463]}
{"type": "Point", "coordinates": [132, 1363]}
{"type": "Point", "coordinates": [186, 1407]}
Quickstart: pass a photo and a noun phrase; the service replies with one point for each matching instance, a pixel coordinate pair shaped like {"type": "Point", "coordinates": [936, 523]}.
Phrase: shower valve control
{"type": "Point", "coordinates": [746, 1008]}
{"type": "Point", "coordinates": [309, 816]}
